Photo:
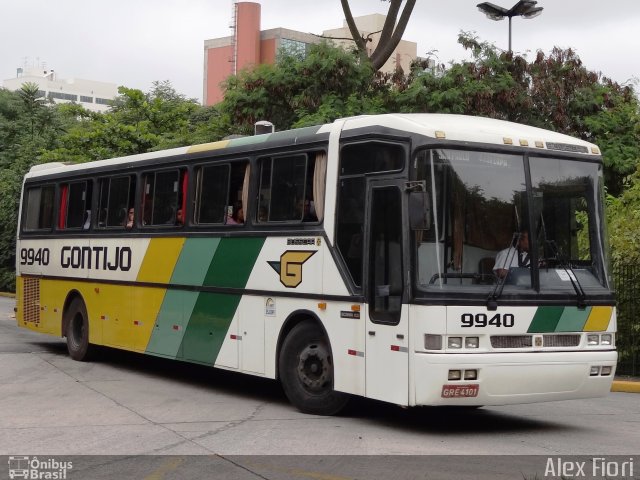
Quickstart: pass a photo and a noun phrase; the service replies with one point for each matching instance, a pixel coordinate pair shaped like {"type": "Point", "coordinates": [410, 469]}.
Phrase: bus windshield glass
{"type": "Point", "coordinates": [567, 211]}
{"type": "Point", "coordinates": [480, 233]}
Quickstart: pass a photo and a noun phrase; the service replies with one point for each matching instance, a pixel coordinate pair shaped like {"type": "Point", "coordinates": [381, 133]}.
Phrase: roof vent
{"type": "Point", "coordinates": [263, 127]}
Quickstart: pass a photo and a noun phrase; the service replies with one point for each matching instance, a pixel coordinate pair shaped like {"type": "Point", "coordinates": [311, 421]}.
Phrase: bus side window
{"type": "Point", "coordinates": [212, 185]}
{"type": "Point", "coordinates": [356, 161]}
{"type": "Point", "coordinates": [116, 197]}
{"type": "Point", "coordinates": [39, 208]}
{"type": "Point", "coordinates": [292, 188]}
{"type": "Point", "coordinates": [75, 202]}
{"type": "Point", "coordinates": [160, 197]}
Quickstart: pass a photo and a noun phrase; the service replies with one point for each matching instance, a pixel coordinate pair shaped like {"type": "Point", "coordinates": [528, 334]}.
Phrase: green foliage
{"type": "Point", "coordinates": [27, 128]}
{"type": "Point", "coordinates": [553, 91]}
{"type": "Point", "coordinates": [623, 215]}
{"type": "Point", "coordinates": [326, 84]}
{"type": "Point", "coordinates": [32, 132]}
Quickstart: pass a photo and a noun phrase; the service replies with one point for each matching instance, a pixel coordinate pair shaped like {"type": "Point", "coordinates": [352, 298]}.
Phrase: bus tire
{"type": "Point", "coordinates": [305, 366]}
{"type": "Point", "coordinates": [77, 331]}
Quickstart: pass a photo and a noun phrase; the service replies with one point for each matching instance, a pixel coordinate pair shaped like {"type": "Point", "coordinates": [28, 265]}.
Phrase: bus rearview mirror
{"type": "Point", "coordinates": [419, 211]}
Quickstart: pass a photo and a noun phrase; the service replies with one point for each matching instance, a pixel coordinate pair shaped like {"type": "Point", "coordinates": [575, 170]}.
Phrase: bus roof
{"type": "Point", "coordinates": [462, 128]}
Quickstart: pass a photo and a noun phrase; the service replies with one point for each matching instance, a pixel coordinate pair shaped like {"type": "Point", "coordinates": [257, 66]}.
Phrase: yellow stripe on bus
{"type": "Point", "coordinates": [205, 147]}
{"type": "Point", "coordinates": [599, 319]}
{"type": "Point", "coordinates": [160, 260]}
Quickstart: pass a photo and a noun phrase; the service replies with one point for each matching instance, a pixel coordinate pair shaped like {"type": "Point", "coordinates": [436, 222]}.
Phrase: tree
{"type": "Point", "coordinates": [326, 84]}
{"type": "Point", "coordinates": [623, 218]}
{"type": "Point", "coordinates": [555, 91]}
{"type": "Point", "coordinates": [27, 127]}
{"type": "Point", "coordinates": [389, 37]}
{"type": "Point", "coordinates": [137, 122]}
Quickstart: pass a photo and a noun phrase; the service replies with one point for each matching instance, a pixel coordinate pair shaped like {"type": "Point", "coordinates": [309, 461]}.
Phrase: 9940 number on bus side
{"type": "Point", "coordinates": [34, 256]}
{"type": "Point", "coordinates": [468, 320]}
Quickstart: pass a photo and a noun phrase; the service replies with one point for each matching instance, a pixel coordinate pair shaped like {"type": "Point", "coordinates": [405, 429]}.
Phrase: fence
{"type": "Point", "coordinates": [627, 285]}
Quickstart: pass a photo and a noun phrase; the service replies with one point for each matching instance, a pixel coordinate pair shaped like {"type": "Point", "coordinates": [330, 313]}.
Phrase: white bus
{"type": "Point", "coordinates": [353, 258]}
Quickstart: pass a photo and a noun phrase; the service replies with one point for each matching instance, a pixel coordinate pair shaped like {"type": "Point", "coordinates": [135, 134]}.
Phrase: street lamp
{"type": "Point", "coordinates": [524, 8]}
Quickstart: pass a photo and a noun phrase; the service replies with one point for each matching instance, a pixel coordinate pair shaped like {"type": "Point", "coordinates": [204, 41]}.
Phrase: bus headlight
{"type": "Point", "coordinates": [471, 342]}
{"type": "Point", "coordinates": [606, 339]}
{"type": "Point", "coordinates": [471, 374]}
{"type": "Point", "coordinates": [593, 340]}
{"type": "Point", "coordinates": [454, 342]}
{"type": "Point", "coordinates": [455, 374]}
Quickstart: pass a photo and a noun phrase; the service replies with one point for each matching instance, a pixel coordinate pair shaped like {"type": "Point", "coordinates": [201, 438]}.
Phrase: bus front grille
{"type": "Point", "coordinates": [31, 300]}
{"type": "Point", "coordinates": [561, 340]}
{"type": "Point", "coordinates": [511, 341]}
{"type": "Point", "coordinates": [526, 341]}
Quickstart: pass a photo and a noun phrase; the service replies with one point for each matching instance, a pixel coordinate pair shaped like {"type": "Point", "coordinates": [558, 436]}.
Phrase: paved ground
{"type": "Point", "coordinates": [128, 404]}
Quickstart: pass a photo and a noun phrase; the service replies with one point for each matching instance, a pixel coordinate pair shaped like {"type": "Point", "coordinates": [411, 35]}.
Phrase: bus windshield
{"type": "Point", "coordinates": [487, 228]}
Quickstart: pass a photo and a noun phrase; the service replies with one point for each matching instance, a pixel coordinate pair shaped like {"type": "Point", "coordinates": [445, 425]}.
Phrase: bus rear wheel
{"type": "Point", "coordinates": [77, 331]}
{"type": "Point", "coordinates": [306, 371]}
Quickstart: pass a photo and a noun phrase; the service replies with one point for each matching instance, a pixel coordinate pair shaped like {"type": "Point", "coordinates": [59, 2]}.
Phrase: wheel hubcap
{"type": "Point", "coordinates": [314, 367]}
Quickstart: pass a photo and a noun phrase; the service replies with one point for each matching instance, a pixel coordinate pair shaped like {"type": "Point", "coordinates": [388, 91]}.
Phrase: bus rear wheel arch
{"type": "Point", "coordinates": [76, 329]}
{"type": "Point", "coordinates": [305, 367]}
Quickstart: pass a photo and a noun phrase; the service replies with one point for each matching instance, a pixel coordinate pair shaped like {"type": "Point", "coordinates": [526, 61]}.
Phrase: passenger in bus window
{"type": "Point", "coordinates": [179, 217]}
{"type": "Point", "coordinates": [308, 211]}
{"type": "Point", "coordinates": [263, 214]}
{"type": "Point", "coordinates": [235, 215]}
{"type": "Point", "coordinates": [515, 256]}
{"type": "Point", "coordinates": [130, 218]}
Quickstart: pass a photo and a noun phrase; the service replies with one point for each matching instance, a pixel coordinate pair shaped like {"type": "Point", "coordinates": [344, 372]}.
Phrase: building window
{"type": "Point", "coordinates": [103, 101]}
{"type": "Point", "coordinates": [294, 48]}
{"type": "Point", "coordinates": [63, 96]}
{"type": "Point", "coordinates": [85, 99]}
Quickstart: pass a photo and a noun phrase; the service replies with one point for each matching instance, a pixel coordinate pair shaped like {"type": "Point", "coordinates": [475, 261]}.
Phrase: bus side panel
{"type": "Point", "coordinates": [345, 325]}
{"type": "Point", "coordinates": [303, 265]}
{"type": "Point", "coordinates": [35, 311]}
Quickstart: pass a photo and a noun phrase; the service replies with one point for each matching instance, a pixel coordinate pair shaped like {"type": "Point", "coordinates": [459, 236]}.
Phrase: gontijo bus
{"type": "Point", "coordinates": [353, 258]}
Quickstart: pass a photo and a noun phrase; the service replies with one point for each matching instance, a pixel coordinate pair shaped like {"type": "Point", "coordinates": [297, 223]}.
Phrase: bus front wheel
{"type": "Point", "coordinates": [77, 331]}
{"type": "Point", "coordinates": [306, 371]}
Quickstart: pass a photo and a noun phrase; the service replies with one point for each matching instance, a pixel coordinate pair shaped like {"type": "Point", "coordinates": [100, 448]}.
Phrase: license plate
{"type": "Point", "coordinates": [460, 391]}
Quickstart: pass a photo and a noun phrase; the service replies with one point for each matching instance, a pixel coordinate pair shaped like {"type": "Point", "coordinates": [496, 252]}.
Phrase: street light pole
{"type": "Point", "coordinates": [524, 8]}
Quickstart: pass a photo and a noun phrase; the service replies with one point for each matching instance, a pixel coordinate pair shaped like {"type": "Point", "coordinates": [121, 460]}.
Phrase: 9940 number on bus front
{"type": "Point", "coordinates": [468, 320]}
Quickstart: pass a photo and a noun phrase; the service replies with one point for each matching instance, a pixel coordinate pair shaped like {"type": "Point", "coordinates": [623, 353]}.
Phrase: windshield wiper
{"type": "Point", "coordinates": [492, 299]}
{"type": "Point", "coordinates": [565, 264]}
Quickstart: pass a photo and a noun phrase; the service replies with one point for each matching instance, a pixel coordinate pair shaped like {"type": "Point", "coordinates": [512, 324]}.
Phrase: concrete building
{"type": "Point", "coordinates": [92, 95]}
{"type": "Point", "coordinates": [249, 46]}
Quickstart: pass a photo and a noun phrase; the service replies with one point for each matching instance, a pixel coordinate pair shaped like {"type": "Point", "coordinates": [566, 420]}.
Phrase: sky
{"type": "Point", "coordinates": [136, 42]}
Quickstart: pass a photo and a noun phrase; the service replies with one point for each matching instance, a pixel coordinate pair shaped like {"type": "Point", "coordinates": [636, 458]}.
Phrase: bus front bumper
{"type": "Point", "coordinates": [511, 378]}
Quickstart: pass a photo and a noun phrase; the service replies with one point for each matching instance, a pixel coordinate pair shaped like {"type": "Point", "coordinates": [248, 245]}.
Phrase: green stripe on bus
{"type": "Point", "coordinates": [213, 312]}
{"type": "Point", "coordinates": [208, 326]}
{"type": "Point", "coordinates": [194, 261]}
{"type": "Point", "coordinates": [238, 142]}
{"type": "Point", "coordinates": [546, 319]}
{"type": "Point", "coordinates": [177, 306]}
{"type": "Point", "coordinates": [573, 319]}
{"type": "Point", "coordinates": [233, 262]}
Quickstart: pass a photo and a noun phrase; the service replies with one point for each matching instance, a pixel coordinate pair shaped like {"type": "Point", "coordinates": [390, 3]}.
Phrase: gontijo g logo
{"type": "Point", "coordinates": [290, 266]}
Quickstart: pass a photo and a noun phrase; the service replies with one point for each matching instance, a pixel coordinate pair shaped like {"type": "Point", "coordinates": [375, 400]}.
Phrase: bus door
{"type": "Point", "coordinates": [387, 356]}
